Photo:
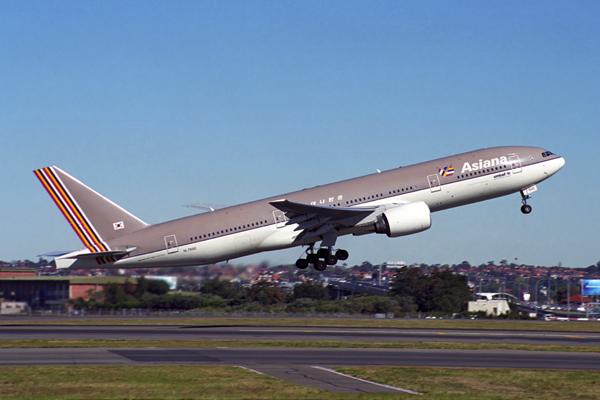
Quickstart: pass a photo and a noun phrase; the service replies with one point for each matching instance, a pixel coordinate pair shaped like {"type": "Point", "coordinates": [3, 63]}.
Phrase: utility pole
{"type": "Point", "coordinates": [568, 297]}
{"type": "Point", "coordinates": [549, 289]}
{"type": "Point", "coordinates": [536, 298]}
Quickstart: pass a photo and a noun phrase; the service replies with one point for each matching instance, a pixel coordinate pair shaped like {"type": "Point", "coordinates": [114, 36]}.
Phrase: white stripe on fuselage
{"type": "Point", "coordinates": [221, 248]}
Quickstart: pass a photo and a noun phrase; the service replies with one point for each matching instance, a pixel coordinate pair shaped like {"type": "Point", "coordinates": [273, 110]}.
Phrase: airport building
{"type": "Point", "coordinates": [492, 303]}
{"type": "Point", "coordinates": [45, 292]}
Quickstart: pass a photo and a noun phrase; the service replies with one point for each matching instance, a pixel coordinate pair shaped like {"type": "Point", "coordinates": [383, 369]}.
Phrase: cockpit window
{"type": "Point", "coordinates": [547, 154]}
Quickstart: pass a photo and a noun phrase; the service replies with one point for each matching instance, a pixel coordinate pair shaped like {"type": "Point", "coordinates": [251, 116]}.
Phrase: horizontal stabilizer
{"type": "Point", "coordinates": [55, 254]}
{"type": "Point", "coordinates": [91, 258]}
{"type": "Point", "coordinates": [112, 253]}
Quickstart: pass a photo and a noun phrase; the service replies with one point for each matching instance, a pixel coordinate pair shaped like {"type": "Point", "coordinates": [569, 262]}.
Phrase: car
{"type": "Point", "coordinates": [549, 317]}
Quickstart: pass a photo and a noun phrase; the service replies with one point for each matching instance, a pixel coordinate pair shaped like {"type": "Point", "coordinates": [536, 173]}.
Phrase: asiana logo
{"type": "Point", "coordinates": [446, 171]}
{"type": "Point", "coordinates": [481, 164]}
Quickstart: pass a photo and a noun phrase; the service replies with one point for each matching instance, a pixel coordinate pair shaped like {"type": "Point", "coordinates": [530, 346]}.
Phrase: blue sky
{"type": "Point", "coordinates": [159, 104]}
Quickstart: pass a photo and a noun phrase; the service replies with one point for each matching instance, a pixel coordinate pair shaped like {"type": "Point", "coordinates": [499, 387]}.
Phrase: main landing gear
{"type": "Point", "coordinates": [321, 259]}
{"type": "Point", "coordinates": [525, 208]}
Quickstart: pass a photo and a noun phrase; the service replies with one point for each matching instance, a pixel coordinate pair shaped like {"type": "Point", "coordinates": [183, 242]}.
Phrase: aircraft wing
{"type": "Point", "coordinates": [300, 212]}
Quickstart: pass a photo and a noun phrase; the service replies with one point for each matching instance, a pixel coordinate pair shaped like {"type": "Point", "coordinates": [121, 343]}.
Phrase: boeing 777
{"type": "Point", "coordinates": [397, 202]}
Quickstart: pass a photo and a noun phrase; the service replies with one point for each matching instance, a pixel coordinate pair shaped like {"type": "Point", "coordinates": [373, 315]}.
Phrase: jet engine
{"type": "Point", "coordinates": [405, 219]}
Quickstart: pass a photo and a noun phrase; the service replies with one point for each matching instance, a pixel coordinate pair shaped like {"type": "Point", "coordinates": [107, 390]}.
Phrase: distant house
{"type": "Point", "coordinates": [577, 299]}
{"type": "Point", "coordinates": [10, 272]}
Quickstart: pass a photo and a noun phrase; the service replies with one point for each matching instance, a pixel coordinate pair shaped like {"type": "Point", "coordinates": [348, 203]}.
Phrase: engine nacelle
{"type": "Point", "coordinates": [405, 219]}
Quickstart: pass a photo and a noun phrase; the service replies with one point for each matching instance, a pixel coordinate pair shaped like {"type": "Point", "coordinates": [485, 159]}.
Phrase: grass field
{"type": "Point", "coordinates": [120, 343]}
{"type": "Point", "coordinates": [203, 382]}
{"type": "Point", "coordinates": [145, 382]}
{"type": "Point", "coordinates": [490, 383]}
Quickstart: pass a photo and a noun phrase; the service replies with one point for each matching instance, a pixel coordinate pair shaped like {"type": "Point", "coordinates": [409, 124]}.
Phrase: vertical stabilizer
{"type": "Point", "coordinates": [94, 218]}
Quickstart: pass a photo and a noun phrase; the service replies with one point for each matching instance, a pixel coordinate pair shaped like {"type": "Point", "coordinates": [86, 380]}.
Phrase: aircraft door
{"type": "Point", "coordinates": [434, 182]}
{"type": "Point", "coordinates": [515, 164]}
{"type": "Point", "coordinates": [171, 243]}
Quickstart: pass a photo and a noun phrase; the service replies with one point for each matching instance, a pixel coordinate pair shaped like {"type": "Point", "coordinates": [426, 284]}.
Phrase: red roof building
{"type": "Point", "coordinates": [577, 298]}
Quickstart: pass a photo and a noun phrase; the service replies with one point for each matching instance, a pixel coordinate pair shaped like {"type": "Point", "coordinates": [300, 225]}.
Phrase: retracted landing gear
{"type": "Point", "coordinates": [525, 208]}
{"type": "Point", "coordinates": [321, 259]}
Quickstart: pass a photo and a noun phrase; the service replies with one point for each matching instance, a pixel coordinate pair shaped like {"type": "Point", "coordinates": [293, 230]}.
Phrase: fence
{"type": "Point", "coordinates": [196, 313]}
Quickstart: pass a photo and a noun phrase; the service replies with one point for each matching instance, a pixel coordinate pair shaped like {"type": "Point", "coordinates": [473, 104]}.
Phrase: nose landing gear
{"type": "Point", "coordinates": [525, 208]}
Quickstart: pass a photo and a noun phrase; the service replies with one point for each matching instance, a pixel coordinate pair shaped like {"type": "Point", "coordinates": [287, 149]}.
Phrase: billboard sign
{"type": "Point", "coordinates": [591, 287]}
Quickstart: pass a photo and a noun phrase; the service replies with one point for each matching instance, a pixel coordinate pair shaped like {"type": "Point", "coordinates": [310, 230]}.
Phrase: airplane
{"type": "Point", "coordinates": [395, 203]}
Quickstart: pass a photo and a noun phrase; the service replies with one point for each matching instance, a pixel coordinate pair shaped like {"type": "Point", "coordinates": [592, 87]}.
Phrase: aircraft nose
{"type": "Point", "coordinates": [553, 166]}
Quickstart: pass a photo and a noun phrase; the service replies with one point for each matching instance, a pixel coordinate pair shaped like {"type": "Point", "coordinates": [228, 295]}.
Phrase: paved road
{"type": "Point", "coordinates": [299, 333]}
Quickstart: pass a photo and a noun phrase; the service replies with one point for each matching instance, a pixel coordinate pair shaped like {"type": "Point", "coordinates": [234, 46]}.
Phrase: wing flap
{"type": "Point", "coordinates": [319, 221]}
{"type": "Point", "coordinates": [295, 210]}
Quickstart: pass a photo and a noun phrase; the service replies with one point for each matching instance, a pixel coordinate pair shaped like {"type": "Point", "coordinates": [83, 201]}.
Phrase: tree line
{"type": "Point", "coordinates": [412, 291]}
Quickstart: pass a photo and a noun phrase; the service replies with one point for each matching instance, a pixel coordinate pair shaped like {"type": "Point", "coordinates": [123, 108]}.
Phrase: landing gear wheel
{"type": "Point", "coordinates": [331, 259]}
{"type": "Point", "coordinates": [341, 254]}
{"type": "Point", "coordinates": [322, 253]}
{"type": "Point", "coordinates": [320, 265]}
{"type": "Point", "coordinates": [525, 208]}
{"type": "Point", "coordinates": [312, 258]}
{"type": "Point", "coordinates": [302, 263]}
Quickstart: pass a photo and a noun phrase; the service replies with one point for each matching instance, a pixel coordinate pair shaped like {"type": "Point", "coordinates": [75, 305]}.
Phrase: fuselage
{"type": "Point", "coordinates": [257, 226]}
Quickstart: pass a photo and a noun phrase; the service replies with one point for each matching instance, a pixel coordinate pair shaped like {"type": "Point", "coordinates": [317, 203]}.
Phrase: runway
{"type": "Point", "coordinates": [306, 366]}
{"type": "Point", "coordinates": [165, 332]}
{"type": "Point", "coordinates": [303, 356]}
